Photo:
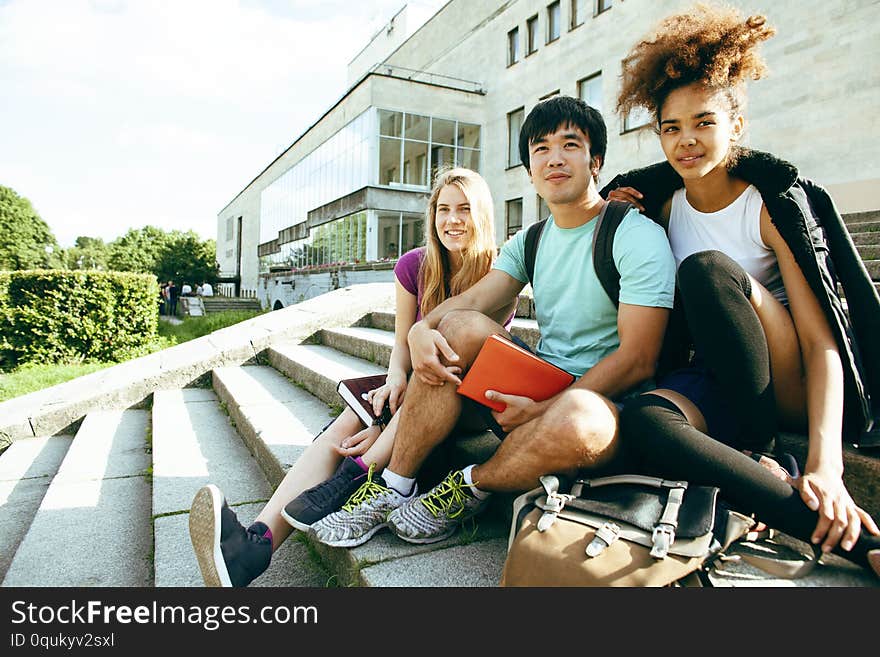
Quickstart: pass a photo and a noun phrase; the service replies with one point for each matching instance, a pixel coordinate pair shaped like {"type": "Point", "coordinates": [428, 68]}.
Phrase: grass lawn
{"type": "Point", "coordinates": [34, 376]}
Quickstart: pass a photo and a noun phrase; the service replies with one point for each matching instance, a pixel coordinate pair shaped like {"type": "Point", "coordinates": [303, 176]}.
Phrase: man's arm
{"type": "Point", "coordinates": [490, 295]}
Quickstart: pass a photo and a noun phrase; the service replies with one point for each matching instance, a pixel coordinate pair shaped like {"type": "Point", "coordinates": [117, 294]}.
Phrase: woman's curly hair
{"type": "Point", "coordinates": [712, 45]}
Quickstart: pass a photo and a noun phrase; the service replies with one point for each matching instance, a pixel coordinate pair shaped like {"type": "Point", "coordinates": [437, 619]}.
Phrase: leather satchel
{"type": "Point", "coordinates": [623, 530]}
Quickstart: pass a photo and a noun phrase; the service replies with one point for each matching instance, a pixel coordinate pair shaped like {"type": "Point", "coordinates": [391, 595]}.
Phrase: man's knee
{"type": "Point", "coordinates": [583, 423]}
{"type": "Point", "coordinates": [466, 330]}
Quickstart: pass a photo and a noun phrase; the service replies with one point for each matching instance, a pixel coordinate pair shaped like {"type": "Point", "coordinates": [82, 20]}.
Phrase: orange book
{"type": "Point", "coordinates": [507, 368]}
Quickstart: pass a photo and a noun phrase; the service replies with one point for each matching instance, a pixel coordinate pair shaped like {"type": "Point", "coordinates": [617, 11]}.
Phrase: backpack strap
{"type": "Point", "coordinates": [603, 243]}
{"type": "Point", "coordinates": [533, 236]}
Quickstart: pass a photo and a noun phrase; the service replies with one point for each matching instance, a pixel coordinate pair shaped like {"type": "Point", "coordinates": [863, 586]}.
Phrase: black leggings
{"type": "Point", "coordinates": [727, 333]}
{"type": "Point", "coordinates": [729, 339]}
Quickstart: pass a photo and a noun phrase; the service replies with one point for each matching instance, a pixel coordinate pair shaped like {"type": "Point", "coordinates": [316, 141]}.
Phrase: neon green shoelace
{"type": "Point", "coordinates": [369, 490]}
{"type": "Point", "coordinates": [448, 494]}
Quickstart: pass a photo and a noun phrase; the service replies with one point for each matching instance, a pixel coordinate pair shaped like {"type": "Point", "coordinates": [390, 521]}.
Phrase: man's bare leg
{"type": "Point", "coordinates": [430, 412]}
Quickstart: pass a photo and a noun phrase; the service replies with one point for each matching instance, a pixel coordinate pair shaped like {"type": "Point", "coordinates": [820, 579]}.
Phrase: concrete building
{"type": "Point", "coordinates": [347, 197]}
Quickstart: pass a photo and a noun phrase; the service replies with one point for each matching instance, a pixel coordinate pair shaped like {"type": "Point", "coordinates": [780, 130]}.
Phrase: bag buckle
{"type": "Point", "coordinates": [662, 538]}
{"type": "Point", "coordinates": [605, 536]}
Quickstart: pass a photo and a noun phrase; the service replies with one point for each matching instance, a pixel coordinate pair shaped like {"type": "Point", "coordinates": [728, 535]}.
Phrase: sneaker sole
{"type": "Point", "coordinates": [204, 532]}
{"type": "Point", "coordinates": [424, 540]}
{"type": "Point", "coordinates": [293, 522]}
{"type": "Point", "coordinates": [350, 542]}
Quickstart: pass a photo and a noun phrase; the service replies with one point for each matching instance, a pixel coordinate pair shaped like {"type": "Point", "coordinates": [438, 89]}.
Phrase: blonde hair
{"type": "Point", "coordinates": [477, 255]}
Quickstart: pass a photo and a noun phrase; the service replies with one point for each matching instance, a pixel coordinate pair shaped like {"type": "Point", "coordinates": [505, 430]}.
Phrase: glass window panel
{"type": "Point", "coordinates": [415, 163]}
{"type": "Point", "coordinates": [532, 35]}
{"type": "Point", "coordinates": [553, 21]}
{"type": "Point", "coordinates": [638, 117]}
{"type": "Point", "coordinates": [389, 161]}
{"type": "Point", "coordinates": [514, 123]}
{"type": "Point", "coordinates": [513, 46]}
{"type": "Point", "coordinates": [412, 232]}
{"type": "Point", "coordinates": [514, 215]}
{"type": "Point", "coordinates": [390, 123]}
{"type": "Point", "coordinates": [578, 12]}
{"type": "Point", "coordinates": [388, 226]}
{"type": "Point", "coordinates": [468, 158]}
{"type": "Point", "coordinates": [441, 156]}
{"type": "Point", "coordinates": [468, 135]}
{"type": "Point", "coordinates": [543, 210]}
{"type": "Point", "coordinates": [602, 5]}
{"type": "Point", "coordinates": [590, 91]}
{"type": "Point", "coordinates": [443, 131]}
{"type": "Point", "coordinates": [417, 127]}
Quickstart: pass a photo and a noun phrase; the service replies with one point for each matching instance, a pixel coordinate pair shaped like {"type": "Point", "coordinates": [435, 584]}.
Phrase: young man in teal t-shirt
{"type": "Point", "coordinates": [611, 351]}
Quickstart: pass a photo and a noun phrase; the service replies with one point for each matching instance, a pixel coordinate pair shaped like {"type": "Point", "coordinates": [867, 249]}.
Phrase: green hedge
{"type": "Point", "coordinates": [62, 316]}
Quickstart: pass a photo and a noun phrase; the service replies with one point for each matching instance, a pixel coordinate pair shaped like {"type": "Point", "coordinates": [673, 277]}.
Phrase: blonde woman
{"type": "Point", "coordinates": [460, 249]}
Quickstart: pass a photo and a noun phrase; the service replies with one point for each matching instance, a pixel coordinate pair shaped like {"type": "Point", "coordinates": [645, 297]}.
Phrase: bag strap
{"type": "Point", "coordinates": [603, 244]}
{"type": "Point", "coordinates": [533, 236]}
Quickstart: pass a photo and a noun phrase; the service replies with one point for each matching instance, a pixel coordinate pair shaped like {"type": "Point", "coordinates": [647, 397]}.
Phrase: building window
{"type": "Point", "coordinates": [514, 123]}
{"type": "Point", "coordinates": [578, 13]}
{"type": "Point", "coordinates": [555, 92]}
{"type": "Point", "coordinates": [590, 90]}
{"type": "Point", "coordinates": [513, 46]}
{"type": "Point", "coordinates": [513, 215]}
{"type": "Point", "coordinates": [531, 35]}
{"type": "Point", "coordinates": [637, 118]}
{"type": "Point", "coordinates": [602, 5]}
{"type": "Point", "coordinates": [553, 21]}
{"type": "Point", "coordinates": [543, 210]}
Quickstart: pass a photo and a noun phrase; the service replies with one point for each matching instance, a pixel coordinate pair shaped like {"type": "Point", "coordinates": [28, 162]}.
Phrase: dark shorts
{"type": "Point", "coordinates": [699, 385]}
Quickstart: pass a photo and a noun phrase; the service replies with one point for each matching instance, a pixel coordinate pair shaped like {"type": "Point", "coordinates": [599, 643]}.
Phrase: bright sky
{"type": "Point", "coordinates": [117, 114]}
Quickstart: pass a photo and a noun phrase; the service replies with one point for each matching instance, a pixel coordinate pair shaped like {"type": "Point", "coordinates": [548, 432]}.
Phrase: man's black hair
{"type": "Point", "coordinates": [549, 115]}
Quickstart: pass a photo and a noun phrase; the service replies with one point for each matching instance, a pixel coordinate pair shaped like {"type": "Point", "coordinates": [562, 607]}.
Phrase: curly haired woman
{"type": "Point", "coordinates": [772, 345]}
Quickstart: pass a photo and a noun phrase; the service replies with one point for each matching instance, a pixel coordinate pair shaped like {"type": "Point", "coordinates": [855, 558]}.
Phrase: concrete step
{"type": "Point", "coordinates": [869, 251]}
{"type": "Point", "coordinates": [276, 419]}
{"type": "Point", "coordinates": [97, 506]}
{"type": "Point", "coordinates": [26, 470]}
{"type": "Point", "coordinates": [873, 267]}
{"type": "Point", "coordinates": [866, 238]}
{"type": "Point", "coordinates": [319, 368]}
{"type": "Point", "coordinates": [371, 344]}
{"type": "Point", "coordinates": [194, 443]}
{"type": "Point", "coordinates": [871, 216]}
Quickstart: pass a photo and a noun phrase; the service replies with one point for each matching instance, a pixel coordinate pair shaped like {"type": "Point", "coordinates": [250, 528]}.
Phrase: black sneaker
{"type": "Point", "coordinates": [313, 504]}
{"type": "Point", "coordinates": [228, 554]}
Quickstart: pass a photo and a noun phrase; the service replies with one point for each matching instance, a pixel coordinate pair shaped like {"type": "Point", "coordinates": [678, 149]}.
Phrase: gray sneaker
{"type": "Point", "coordinates": [438, 513]}
{"type": "Point", "coordinates": [365, 513]}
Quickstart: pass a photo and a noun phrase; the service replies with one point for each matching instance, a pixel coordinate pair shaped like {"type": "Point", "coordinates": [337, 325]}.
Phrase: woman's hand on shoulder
{"type": "Point", "coordinates": [629, 195]}
{"type": "Point", "coordinates": [840, 519]}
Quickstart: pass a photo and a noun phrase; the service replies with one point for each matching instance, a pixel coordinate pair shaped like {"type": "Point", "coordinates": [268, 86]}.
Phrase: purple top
{"type": "Point", "coordinates": [407, 272]}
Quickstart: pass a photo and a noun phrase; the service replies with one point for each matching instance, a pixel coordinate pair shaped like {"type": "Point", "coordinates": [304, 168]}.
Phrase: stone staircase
{"type": "Point", "coordinates": [218, 304]}
{"type": "Point", "coordinates": [109, 505]}
{"type": "Point", "coordinates": [864, 228]}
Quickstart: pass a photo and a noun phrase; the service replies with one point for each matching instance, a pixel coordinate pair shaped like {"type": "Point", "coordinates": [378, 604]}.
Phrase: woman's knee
{"type": "Point", "coordinates": [705, 272]}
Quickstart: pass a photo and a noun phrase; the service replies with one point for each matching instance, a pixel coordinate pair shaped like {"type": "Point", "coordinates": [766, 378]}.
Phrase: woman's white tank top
{"type": "Point", "coordinates": [734, 230]}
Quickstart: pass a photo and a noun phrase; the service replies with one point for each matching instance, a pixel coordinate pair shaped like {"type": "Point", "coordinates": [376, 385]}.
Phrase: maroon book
{"type": "Point", "coordinates": [353, 393]}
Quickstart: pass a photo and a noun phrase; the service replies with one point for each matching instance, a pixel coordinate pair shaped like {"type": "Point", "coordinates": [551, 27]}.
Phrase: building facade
{"type": "Point", "coordinates": [348, 196]}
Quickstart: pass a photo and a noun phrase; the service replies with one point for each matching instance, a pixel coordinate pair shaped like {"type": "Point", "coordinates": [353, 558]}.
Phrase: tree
{"type": "Point", "coordinates": [26, 241]}
{"type": "Point", "coordinates": [139, 250]}
{"type": "Point", "coordinates": [88, 253]}
{"type": "Point", "coordinates": [186, 258]}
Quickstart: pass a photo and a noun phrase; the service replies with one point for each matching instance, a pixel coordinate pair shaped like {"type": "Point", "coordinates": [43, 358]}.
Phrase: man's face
{"type": "Point", "coordinates": [561, 167]}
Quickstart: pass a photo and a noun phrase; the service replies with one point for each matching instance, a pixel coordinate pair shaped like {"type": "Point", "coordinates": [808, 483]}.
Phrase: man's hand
{"type": "Point", "coordinates": [425, 348]}
{"type": "Point", "coordinates": [840, 520]}
{"type": "Point", "coordinates": [628, 194]}
{"type": "Point", "coordinates": [519, 410]}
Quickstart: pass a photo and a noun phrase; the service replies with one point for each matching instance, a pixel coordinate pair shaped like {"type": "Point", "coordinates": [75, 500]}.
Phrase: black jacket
{"type": "Point", "coordinates": [808, 221]}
